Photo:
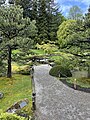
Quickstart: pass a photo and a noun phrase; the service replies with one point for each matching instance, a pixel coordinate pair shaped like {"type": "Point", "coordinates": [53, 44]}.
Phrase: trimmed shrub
{"type": "Point", "coordinates": [56, 70]}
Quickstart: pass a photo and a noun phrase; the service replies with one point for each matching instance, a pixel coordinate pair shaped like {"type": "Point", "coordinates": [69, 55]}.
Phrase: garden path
{"type": "Point", "coordinates": [56, 101]}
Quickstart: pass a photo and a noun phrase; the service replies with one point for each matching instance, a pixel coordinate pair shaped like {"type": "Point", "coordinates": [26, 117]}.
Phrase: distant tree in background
{"type": "Point", "coordinates": [75, 13]}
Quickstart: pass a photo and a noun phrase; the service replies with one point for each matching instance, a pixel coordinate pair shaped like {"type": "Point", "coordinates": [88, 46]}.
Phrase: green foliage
{"type": "Point", "coordinates": [87, 19]}
{"type": "Point", "coordinates": [47, 15]}
{"type": "Point", "coordinates": [56, 70]}
{"type": "Point", "coordinates": [2, 68]}
{"type": "Point", "coordinates": [75, 13]}
{"type": "Point", "coordinates": [65, 29]}
{"type": "Point", "coordinates": [21, 69]}
{"type": "Point", "coordinates": [11, 19]}
{"type": "Point", "coordinates": [8, 116]}
{"type": "Point", "coordinates": [16, 31]}
{"type": "Point", "coordinates": [75, 40]}
{"type": "Point", "coordinates": [25, 70]}
{"type": "Point", "coordinates": [38, 51]}
{"type": "Point", "coordinates": [15, 89]}
{"type": "Point", "coordinates": [48, 48]}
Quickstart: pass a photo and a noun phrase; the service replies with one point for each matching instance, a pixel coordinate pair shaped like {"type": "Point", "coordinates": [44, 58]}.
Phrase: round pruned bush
{"type": "Point", "coordinates": [60, 70]}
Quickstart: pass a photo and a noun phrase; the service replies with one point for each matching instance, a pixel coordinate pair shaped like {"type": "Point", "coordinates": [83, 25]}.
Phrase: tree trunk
{"type": "Point", "coordinates": [88, 71]}
{"type": "Point", "coordinates": [9, 75]}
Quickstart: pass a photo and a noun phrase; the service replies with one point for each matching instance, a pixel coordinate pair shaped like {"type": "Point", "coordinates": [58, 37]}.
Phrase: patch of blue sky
{"type": "Point", "coordinates": [67, 4]}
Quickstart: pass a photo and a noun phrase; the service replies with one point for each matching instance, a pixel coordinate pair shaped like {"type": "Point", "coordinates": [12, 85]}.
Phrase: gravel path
{"type": "Point", "coordinates": [56, 101]}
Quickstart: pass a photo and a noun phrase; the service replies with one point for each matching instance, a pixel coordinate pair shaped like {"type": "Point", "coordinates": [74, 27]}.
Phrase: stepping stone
{"type": "Point", "coordinates": [23, 104]}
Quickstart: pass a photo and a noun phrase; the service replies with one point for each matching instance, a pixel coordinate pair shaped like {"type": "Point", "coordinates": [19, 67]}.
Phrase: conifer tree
{"type": "Point", "coordinates": [47, 15]}
{"type": "Point", "coordinates": [42, 21]}
{"type": "Point", "coordinates": [12, 27]}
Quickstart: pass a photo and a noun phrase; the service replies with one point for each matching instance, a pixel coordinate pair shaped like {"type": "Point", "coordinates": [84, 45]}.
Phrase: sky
{"type": "Point", "coordinates": [65, 5]}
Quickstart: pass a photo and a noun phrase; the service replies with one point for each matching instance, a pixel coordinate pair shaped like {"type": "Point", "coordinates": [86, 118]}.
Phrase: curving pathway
{"type": "Point", "coordinates": [56, 101]}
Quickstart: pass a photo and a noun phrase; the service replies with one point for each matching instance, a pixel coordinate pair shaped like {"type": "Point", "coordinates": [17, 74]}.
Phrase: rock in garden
{"type": "Point", "coordinates": [1, 95]}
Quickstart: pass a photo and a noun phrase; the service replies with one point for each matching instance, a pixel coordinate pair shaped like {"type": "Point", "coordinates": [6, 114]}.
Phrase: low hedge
{"type": "Point", "coordinates": [56, 70]}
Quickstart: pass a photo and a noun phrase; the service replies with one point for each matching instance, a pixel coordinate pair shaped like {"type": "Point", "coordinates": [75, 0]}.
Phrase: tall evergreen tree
{"type": "Point", "coordinates": [42, 21]}
{"type": "Point", "coordinates": [34, 9]}
{"type": "Point", "coordinates": [26, 5]}
{"type": "Point", "coordinates": [54, 18]}
{"type": "Point", "coordinates": [12, 27]}
{"type": "Point", "coordinates": [47, 16]}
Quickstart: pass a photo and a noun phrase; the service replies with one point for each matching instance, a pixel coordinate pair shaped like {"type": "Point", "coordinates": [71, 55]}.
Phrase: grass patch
{"type": "Point", "coordinates": [82, 82]}
{"type": "Point", "coordinates": [37, 52]}
{"type": "Point", "coordinates": [16, 51]}
{"type": "Point", "coordinates": [15, 89]}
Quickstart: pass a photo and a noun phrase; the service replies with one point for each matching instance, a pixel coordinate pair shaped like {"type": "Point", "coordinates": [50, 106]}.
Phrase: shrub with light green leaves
{"type": "Point", "coordinates": [24, 70]}
{"type": "Point", "coordinates": [9, 116]}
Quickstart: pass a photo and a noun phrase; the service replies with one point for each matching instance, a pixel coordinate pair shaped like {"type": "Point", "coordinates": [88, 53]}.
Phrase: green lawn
{"type": "Point", "coordinates": [83, 82]}
{"type": "Point", "coordinates": [15, 89]}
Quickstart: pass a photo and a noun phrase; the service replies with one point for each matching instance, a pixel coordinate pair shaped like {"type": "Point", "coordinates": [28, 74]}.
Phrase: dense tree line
{"type": "Point", "coordinates": [47, 15]}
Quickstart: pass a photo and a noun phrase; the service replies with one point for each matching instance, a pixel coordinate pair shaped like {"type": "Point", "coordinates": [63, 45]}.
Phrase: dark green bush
{"type": "Point", "coordinates": [56, 70]}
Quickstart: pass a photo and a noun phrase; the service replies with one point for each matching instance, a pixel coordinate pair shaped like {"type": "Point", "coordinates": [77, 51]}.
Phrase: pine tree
{"type": "Point", "coordinates": [34, 9]}
{"type": "Point", "coordinates": [42, 21]}
{"type": "Point", "coordinates": [12, 27]}
{"type": "Point", "coordinates": [47, 15]}
{"type": "Point", "coordinates": [26, 5]}
{"type": "Point", "coordinates": [54, 18]}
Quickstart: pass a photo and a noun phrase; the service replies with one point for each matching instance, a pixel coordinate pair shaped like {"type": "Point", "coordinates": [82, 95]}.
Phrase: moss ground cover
{"type": "Point", "coordinates": [15, 89]}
